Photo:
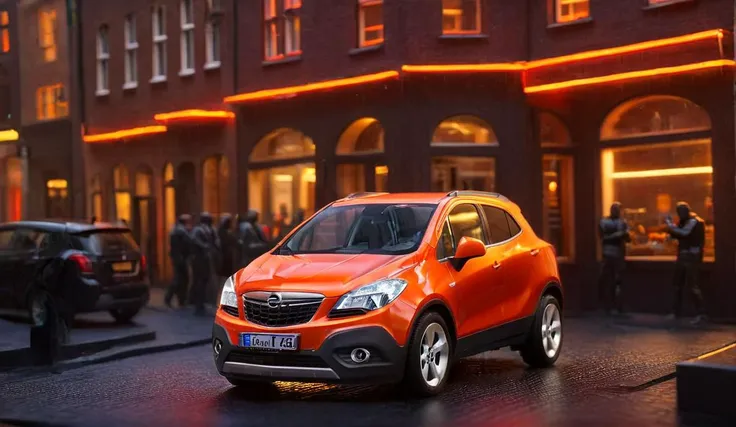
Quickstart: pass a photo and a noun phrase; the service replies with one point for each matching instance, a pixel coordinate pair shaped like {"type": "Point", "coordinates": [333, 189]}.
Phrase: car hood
{"type": "Point", "coordinates": [329, 274]}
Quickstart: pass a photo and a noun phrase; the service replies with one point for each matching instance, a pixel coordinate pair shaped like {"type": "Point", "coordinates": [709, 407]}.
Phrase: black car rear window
{"type": "Point", "coordinates": [107, 241]}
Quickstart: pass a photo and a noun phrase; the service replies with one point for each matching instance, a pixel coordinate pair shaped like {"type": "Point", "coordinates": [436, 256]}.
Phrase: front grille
{"type": "Point", "coordinates": [233, 311]}
{"type": "Point", "coordinates": [277, 359]}
{"type": "Point", "coordinates": [284, 309]}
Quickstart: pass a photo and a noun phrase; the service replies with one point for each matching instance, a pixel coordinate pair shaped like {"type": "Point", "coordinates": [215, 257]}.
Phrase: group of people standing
{"type": "Point", "coordinates": [204, 256]}
{"type": "Point", "coordinates": [689, 231]}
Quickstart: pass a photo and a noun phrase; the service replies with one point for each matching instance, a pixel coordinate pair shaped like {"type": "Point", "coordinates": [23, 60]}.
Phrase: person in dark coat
{"type": "Point", "coordinates": [251, 240]}
{"type": "Point", "coordinates": [228, 243]}
{"type": "Point", "coordinates": [206, 243]}
{"type": "Point", "coordinates": [690, 233]}
{"type": "Point", "coordinates": [614, 234]}
{"type": "Point", "coordinates": [180, 249]}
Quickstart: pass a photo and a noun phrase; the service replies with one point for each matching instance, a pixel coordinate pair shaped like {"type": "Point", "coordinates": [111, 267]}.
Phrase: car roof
{"type": "Point", "coordinates": [60, 225]}
{"type": "Point", "coordinates": [433, 198]}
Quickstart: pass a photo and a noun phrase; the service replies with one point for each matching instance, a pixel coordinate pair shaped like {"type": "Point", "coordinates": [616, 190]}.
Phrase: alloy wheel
{"type": "Point", "coordinates": [551, 330]}
{"type": "Point", "coordinates": [434, 354]}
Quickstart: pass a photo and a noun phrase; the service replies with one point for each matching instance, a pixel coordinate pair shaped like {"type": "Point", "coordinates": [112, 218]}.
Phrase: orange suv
{"type": "Point", "coordinates": [380, 288]}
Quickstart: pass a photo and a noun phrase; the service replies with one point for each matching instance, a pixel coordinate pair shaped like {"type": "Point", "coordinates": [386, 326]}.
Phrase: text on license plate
{"type": "Point", "coordinates": [120, 267]}
{"type": "Point", "coordinates": [270, 341]}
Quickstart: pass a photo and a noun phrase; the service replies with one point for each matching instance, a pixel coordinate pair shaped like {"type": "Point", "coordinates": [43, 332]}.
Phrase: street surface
{"type": "Point", "coordinates": [606, 377]}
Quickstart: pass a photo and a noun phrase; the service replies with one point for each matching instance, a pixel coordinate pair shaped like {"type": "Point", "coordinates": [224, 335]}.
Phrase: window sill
{"type": "Point", "coordinates": [158, 79]}
{"type": "Point", "coordinates": [451, 36]}
{"type": "Point", "coordinates": [365, 49]}
{"type": "Point", "coordinates": [577, 22]}
{"type": "Point", "coordinates": [284, 60]}
{"type": "Point", "coordinates": [130, 86]}
{"type": "Point", "coordinates": [186, 72]}
{"type": "Point", "coordinates": [102, 92]}
{"type": "Point", "coordinates": [214, 65]}
{"type": "Point", "coordinates": [666, 4]}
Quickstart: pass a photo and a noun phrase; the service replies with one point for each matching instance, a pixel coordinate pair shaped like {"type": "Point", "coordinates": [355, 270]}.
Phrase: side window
{"type": "Point", "coordinates": [498, 225]}
{"type": "Point", "coordinates": [51, 243]}
{"type": "Point", "coordinates": [513, 225]}
{"type": "Point", "coordinates": [25, 239]}
{"type": "Point", "coordinates": [5, 239]}
{"type": "Point", "coordinates": [445, 246]}
{"type": "Point", "coordinates": [465, 222]}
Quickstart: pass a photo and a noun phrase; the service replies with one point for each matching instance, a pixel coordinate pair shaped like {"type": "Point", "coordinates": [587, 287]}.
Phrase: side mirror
{"type": "Point", "coordinates": [467, 249]}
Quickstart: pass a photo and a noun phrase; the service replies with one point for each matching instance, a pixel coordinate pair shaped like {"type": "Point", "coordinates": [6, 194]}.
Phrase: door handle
{"type": "Point", "coordinates": [496, 265]}
{"type": "Point", "coordinates": [534, 252]}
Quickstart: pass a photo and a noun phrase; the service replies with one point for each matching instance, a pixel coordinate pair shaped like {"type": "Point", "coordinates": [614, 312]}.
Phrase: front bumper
{"type": "Point", "coordinates": [329, 363]}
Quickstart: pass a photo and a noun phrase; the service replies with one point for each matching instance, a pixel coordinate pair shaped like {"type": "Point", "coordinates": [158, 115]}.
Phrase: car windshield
{"type": "Point", "coordinates": [389, 229]}
{"type": "Point", "coordinates": [107, 241]}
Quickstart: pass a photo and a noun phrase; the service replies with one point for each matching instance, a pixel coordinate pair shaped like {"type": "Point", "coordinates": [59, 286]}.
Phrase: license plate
{"type": "Point", "coordinates": [121, 267]}
{"type": "Point", "coordinates": [280, 342]}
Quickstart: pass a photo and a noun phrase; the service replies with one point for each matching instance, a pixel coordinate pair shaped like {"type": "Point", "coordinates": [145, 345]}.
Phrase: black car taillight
{"type": "Point", "coordinates": [144, 265]}
{"type": "Point", "coordinates": [83, 263]}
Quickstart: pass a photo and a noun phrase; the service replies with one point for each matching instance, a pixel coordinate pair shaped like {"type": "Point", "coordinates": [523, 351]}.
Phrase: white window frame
{"type": "Point", "coordinates": [103, 61]}
{"type": "Point", "coordinates": [559, 18]}
{"type": "Point", "coordinates": [362, 5]}
{"type": "Point", "coordinates": [131, 52]}
{"type": "Point", "coordinates": [187, 37]}
{"type": "Point", "coordinates": [160, 38]}
{"type": "Point", "coordinates": [292, 27]}
{"type": "Point", "coordinates": [213, 38]}
{"type": "Point", "coordinates": [271, 43]}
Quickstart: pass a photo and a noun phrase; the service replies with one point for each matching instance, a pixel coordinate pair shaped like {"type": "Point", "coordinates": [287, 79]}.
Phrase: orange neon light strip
{"type": "Point", "coordinates": [631, 75]}
{"type": "Point", "coordinates": [127, 133]}
{"type": "Point", "coordinates": [653, 44]}
{"type": "Point", "coordinates": [512, 66]}
{"type": "Point", "coordinates": [654, 173]}
{"type": "Point", "coordinates": [193, 114]}
{"type": "Point", "coordinates": [312, 87]}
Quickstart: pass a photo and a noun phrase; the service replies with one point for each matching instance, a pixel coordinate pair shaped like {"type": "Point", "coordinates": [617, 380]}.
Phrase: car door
{"type": "Point", "coordinates": [7, 297]}
{"type": "Point", "coordinates": [477, 282]}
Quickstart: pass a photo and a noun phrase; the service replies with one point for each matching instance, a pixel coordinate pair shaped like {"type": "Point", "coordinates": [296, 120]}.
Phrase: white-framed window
{"type": "Point", "coordinates": [571, 10]}
{"type": "Point", "coordinates": [370, 22]}
{"type": "Point", "coordinates": [282, 31]}
{"type": "Point", "coordinates": [212, 34]}
{"type": "Point", "coordinates": [460, 16]}
{"type": "Point", "coordinates": [271, 31]}
{"type": "Point", "coordinates": [103, 61]}
{"type": "Point", "coordinates": [158, 21]}
{"type": "Point", "coordinates": [187, 37]}
{"type": "Point", "coordinates": [131, 53]}
{"type": "Point", "coordinates": [293, 27]}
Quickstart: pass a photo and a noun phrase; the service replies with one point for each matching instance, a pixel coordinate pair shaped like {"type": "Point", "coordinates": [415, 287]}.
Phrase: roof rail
{"type": "Point", "coordinates": [457, 193]}
{"type": "Point", "coordinates": [363, 194]}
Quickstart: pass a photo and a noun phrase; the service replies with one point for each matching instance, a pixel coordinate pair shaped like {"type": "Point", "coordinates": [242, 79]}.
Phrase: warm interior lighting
{"type": "Point", "coordinates": [631, 75]}
{"type": "Point", "coordinates": [381, 170]}
{"type": "Point", "coordinates": [309, 175]}
{"type": "Point", "coordinates": [512, 66]}
{"type": "Point", "coordinates": [193, 115]}
{"type": "Point", "coordinates": [9, 135]}
{"type": "Point", "coordinates": [653, 173]}
{"type": "Point", "coordinates": [283, 178]}
{"type": "Point", "coordinates": [552, 186]}
{"type": "Point", "coordinates": [312, 87]}
{"type": "Point", "coordinates": [127, 133]}
{"type": "Point", "coordinates": [57, 184]}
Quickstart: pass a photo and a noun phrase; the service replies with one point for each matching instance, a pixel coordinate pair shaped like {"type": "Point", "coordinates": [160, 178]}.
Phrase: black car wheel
{"type": "Point", "coordinates": [544, 342]}
{"type": "Point", "coordinates": [429, 356]}
{"type": "Point", "coordinates": [124, 315]}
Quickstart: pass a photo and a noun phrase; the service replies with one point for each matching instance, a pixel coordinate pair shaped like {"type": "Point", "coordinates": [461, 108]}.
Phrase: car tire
{"type": "Point", "coordinates": [124, 315]}
{"type": "Point", "coordinates": [428, 363]}
{"type": "Point", "coordinates": [544, 341]}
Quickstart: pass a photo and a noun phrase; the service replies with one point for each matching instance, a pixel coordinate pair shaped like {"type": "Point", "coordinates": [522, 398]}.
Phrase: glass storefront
{"type": "Point", "coordinates": [57, 195]}
{"type": "Point", "coordinates": [97, 203]}
{"type": "Point", "coordinates": [121, 185]}
{"type": "Point", "coordinates": [358, 149]}
{"type": "Point", "coordinates": [215, 176]}
{"type": "Point", "coordinates": [169, 190]}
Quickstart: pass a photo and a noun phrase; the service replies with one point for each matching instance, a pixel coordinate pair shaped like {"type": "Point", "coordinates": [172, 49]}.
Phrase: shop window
{"type": "Point", "coordinates": [215, 179]}
{"type": "Point", "coordinates": [282, 26]}
{"type": "Point", "coordinates": [103, 61]}
{"type": "Point", "coordinates": [463, 130]}
{"type": "Point", "coordinates": [558, 189]}
{"type": "Point", "coordinates": [47, 34]}
{"type": "Point", "coordinates": [463, 173]}
{"type": "Point", "coordinates": [364, 136]}
{"type": "Point", "coordinates": [649, 180]}
{"type": "Point", "coordinates": [51, 102]}
{"type": "Point", "coordinates": [655, 115]}
{"type": "Point", "coordinates": [350, 179]}
{"type": "Point", "coordinates": [169, 217]}
{"type": "Point", "coordinates": [381, 175]}
{"type": "Point", "coordinates": [552, 132]}
{"type": "Point", "coordinates": [158, 21]}
{"type": "Point", "coordinates": [186, 10]}
{"type": "Point", "coordinates": [460, 16]}
{"type": "Point", "coordinates": [97, 201]}
{"type": "Point", "coordinates": [370, 22]}
{"type": "Point", "coordinates": [57, 195]}
{"type": "Point", "coordinates": [14, 176]}
{"type": "Point", "coordinates": [357, 146]}
{"type": "Point", "coordinates": [4, 32]}
{"type": "Point", "coordinates": [571, 10]}
{"type": "Point", "coordinates": [121, 186]}
{"type": "Point", "coordinates": [283, 144]}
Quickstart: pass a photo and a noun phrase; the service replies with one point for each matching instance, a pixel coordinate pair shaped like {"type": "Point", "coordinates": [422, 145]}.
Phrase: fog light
{"type": "Point", "coordinates": [360, 355]}
{"type": "Point", "coordinates": [216, 347]}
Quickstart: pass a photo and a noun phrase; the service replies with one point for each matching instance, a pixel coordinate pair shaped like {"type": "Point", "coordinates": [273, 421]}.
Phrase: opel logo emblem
{"type": "Point", "coordinates": [274, 300]}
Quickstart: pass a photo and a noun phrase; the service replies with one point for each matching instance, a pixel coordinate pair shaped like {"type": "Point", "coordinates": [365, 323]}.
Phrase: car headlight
{"type": "Point", "coordinates": [228, 297]}
{"type": "Point", "coordinates": [369, 297]}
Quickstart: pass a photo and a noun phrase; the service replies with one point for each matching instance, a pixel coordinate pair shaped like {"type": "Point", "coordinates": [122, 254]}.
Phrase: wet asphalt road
{"type": "Point", "coordinates": [604, 378]}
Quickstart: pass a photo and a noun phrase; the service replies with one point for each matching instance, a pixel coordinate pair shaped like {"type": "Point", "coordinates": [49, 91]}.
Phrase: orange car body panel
{"type": "Point", "coordinates": [479, 296]}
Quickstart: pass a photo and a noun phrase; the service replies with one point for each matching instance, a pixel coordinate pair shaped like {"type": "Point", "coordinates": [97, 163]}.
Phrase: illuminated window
{"type": "Point", "coordinates": [4, 32]}
{"type": "Point", "coordinates": [558, 189]}
{"type": "Point", "coordinates": [460, 16]}
{"type": "Point", "coordinates": [357, 147]}
{"type": "Point", "coordinates": [57, 195]}
{"type": "Point", "coordinates": [103, 61]}
{"type": "Point", "coordinates": [370, 22]}
{"type": "Point", "coordinates": [97, 204]}
{"type": "Point", "coordinates": [571, 10]}
{"type": "Point", "coordinates": [169, 217]}
{"type": "Point", "coordinates": [463, 130]}
{"type": "Point", "coordinates": [381, 175]}
{"type": "Point", "coordinates": [187, 36]}
{"type": "Point", "coordinates": [14, 185]}
{"type": "Point", "coordinates": [463, 173]}
{"type": "Point", "coordinates": [51, 102]}
{"type": "Point", "coordinates": [282, 26]}
{"type": "Point", "coordinates": [552, 132]}
{"type": "Point", "coordinates": [158, 21]}
{"type": "Point", "coordinates": [212, 34]}
{"type": "Point", "coordinates": [131, 52]}
{"type": "Point", "coordinates": [216, 175]}
{"type": "Point", "coordinates": [121, 186]}
{"type": "Point", "coordinates": [283, 144]}
{"type": "Point", "coordinates": [47, 34]}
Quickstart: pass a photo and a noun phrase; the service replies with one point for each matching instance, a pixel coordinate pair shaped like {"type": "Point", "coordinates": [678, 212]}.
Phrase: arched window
{"type": "Point", "coordinates": [552, 132]}
{"type": "Point", "coordinates": [469, 166]}
{"type": "Point", "coordinates": [215, 177]}
{"type": "Point", "coordinates": [464, 130]}
{"type": "Point", "coordinates": [361, 162]}
{"type": "Point", "coordinates": [96, 190]}
{"type": "Point", "coordinates": [121, 186]}
{"type": "Point", "coordinates": [654, 115]}
{"type": "Point", "coordinates": [649, 179]}
{"type": "Point", "coordinates": [285, 193]}
{"type": "Point", "coordinates": [169, 218]}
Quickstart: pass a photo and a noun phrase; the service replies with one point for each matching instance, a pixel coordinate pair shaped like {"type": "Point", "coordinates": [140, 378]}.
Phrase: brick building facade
{"type": "Point", "coordinates": [417, 95]}
{"type": "Point", "coordinates": [11, 188]}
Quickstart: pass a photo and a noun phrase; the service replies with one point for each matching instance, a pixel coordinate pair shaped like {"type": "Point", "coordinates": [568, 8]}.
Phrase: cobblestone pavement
{"type": "Point", "coordinates": [593, 383]}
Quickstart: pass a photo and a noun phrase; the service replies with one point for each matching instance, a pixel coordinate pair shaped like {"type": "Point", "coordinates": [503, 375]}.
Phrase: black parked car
{"type": "Point", "coordinates": [104, 268]}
